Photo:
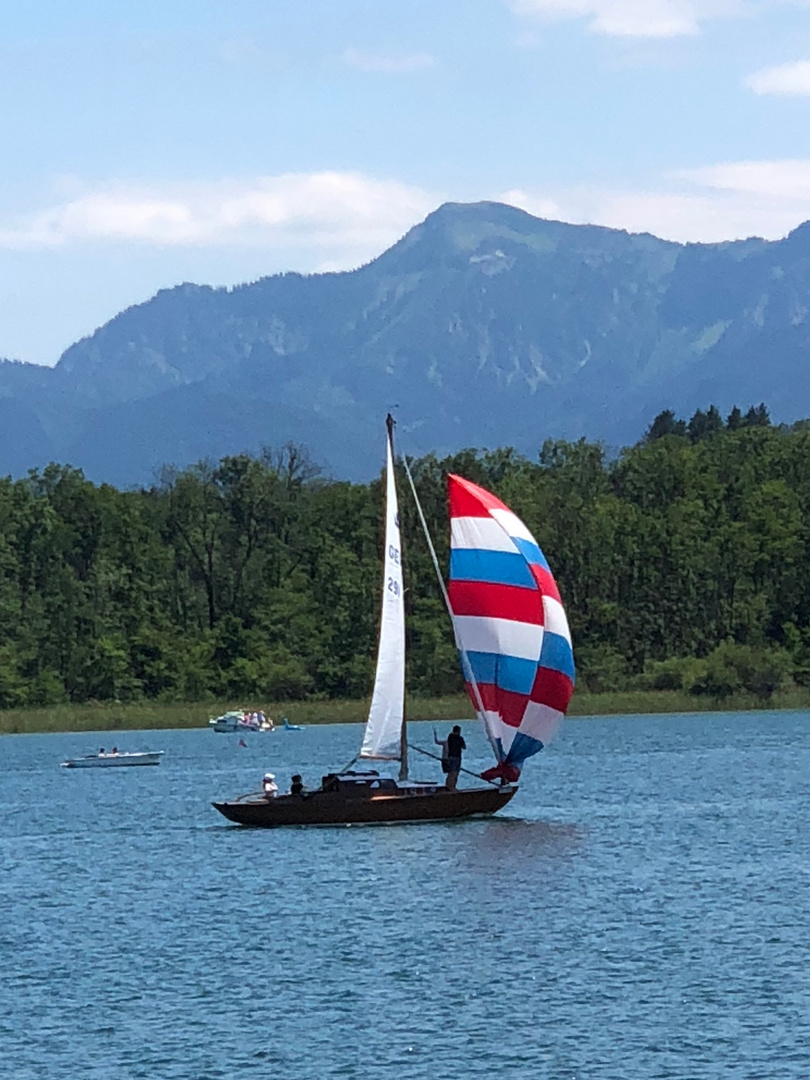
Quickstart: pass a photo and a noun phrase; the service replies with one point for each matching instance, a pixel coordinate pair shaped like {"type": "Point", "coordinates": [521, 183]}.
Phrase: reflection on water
{"type": "Point", "coordinates": [508, 842]}
{"type": "Point", "coordinates": [639, 912]}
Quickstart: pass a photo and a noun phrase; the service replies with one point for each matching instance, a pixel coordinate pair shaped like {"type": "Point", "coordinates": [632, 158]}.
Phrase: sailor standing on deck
{"type": "Point", "coordinates": [452, 748]}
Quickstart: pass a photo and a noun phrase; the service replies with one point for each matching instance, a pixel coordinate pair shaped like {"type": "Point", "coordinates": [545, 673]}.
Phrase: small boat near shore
{"type": "Point", "coordinates": [113, 760]}
{"type": "Point", "coordinates": [238, 720]}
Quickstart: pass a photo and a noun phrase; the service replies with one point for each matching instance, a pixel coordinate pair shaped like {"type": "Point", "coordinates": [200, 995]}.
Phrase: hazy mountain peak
{"type": "Point", "coordinates": [484, 324]}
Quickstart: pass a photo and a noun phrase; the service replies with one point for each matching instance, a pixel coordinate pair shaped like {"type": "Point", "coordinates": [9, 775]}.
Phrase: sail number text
{"type": "Point", "coordinates": [393, 554]}
{"type": "Point", "coordinates": [393, 586]}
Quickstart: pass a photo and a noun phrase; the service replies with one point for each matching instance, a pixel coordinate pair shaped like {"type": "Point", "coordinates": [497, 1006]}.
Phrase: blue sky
{"type": "Point", "coordinates": [146, 143]}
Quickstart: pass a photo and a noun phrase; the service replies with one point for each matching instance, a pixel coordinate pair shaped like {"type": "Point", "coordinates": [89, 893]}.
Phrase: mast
{"type": "Point", "coordinates": [403, 736]}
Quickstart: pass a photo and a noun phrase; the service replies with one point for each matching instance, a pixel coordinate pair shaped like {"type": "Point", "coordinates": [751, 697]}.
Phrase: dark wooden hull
{"type": "Point", "coordinates": [337, 808]}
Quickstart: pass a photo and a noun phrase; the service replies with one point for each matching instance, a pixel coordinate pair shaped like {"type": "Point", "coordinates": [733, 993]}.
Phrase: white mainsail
{"type": "Point", "coordinates": [383, 736]}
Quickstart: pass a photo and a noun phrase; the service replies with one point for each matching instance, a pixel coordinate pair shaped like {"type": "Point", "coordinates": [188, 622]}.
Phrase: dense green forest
{"type": "Point", "coordinates": [684, 563]}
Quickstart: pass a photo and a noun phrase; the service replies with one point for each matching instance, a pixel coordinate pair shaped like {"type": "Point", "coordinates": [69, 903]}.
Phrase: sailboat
{"type": "Point", "coordinates": [515, 647]}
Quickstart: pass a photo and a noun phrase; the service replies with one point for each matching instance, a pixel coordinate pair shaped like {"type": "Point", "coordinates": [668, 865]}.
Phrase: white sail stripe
{"type": "Point", "coordinates": [497, 729]}
{"type": "Point", "coordinates": [478, 633]}
{"type": "Point", "coordinates": [479, 532]}
{"type": "Point", "coordinates": [384, 726]}
{"type": "Point", "coordinates": [513, 525]}
{"type": "Point", "coordinates": [555, 619]}
{"type": "Point", "coordinates": [540, 722]}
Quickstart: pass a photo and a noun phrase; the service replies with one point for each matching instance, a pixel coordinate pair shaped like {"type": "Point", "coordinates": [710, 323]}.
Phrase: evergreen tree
{"type": "Point", "coordinates": [665, 424]}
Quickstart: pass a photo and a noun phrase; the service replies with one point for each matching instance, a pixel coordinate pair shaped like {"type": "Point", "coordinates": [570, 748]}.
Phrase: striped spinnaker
{"type": "Point", "coordinates": [510, 625]}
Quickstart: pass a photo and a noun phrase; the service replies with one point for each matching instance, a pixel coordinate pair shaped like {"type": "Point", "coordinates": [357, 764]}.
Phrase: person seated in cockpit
{"type": "Point", "coordinates": [297, 785]}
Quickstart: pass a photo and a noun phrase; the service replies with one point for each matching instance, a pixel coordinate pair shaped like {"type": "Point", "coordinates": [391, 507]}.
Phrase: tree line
{"type": "Point", "coordinates": [683, 561]}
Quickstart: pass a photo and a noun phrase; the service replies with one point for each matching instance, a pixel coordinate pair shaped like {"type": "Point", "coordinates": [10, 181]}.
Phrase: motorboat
{"type": "Point", "coordinates": [227, 723]}
{"type": "Point", "coordinates": [238, 720]}
{"type": "Point", "coordinates": [113, 760]}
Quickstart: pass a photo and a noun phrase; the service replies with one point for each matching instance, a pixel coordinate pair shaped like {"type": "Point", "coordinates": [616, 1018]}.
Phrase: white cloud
{"type": "Point", "coordinates": [789, 79]}
{"type": "Point", "coordinates": [335, 220]}
{"type": "Point", "coordinates": [631, 18]}
{"type": "Point", "coordinates": [718, 202]}
{"type": "Point", "coordinates": [388, 63]}
{"type": "Point", "coordinates": [347, 217]}
{"type": "Point", "coordinates": [787, 180]}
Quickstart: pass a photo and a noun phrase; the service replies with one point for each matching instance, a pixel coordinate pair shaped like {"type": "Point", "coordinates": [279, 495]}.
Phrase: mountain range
{"type": "Point", "coordinates": [483, 326]}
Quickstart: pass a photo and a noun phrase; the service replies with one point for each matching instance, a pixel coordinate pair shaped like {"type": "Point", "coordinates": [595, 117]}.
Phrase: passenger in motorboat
{"type": "Point", "coordinates": [269, 785]}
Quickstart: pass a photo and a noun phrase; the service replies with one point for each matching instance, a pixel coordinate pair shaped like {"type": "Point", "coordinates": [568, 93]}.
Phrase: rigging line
{"type": "Point", "coordinates": [465, 660]}
{"type": "Point", "coordinates": [436, 757]}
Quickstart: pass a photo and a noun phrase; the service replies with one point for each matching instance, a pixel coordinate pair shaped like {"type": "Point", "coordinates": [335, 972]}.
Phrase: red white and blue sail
{"type": "Point", "coordinates": [510, 625]}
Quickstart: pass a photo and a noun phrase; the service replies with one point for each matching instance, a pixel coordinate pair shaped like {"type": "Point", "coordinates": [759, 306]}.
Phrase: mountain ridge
{"type": "Point", "coordinates": [485, 325]}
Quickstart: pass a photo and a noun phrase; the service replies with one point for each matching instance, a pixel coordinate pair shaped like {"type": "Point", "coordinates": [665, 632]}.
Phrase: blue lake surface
{"type": "Point", "coordinates": [641, 911]}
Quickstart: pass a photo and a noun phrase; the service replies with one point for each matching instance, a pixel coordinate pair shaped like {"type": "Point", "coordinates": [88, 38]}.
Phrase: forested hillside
{"type": "Point", "coordinates": [684, 562]}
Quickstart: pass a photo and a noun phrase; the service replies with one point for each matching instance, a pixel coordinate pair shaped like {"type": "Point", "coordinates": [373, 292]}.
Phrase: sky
{"type": "Point", "coordinates": [144, 143]}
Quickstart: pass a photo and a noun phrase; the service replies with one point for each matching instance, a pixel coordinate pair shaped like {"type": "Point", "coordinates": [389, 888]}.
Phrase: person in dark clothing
{"type": "Point", "coordinates": [297, 785]}
{"type": "Point", "coordinates": [455, 748]}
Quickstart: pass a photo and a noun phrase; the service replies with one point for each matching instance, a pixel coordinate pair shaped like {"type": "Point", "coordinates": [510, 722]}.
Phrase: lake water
{"type": "Point", "coordinates": [641, 911]}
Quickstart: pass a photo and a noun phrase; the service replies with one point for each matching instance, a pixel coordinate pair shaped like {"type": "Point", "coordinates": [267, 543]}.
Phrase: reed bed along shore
{"type": "Point", "coordinates": [117, 716]}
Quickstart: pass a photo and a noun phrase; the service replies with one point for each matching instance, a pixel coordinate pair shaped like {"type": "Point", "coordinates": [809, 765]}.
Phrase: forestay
{"type": "Point", "coordinates": [510, 626]}
{"type": "Point", "coordinates": [384, 726]}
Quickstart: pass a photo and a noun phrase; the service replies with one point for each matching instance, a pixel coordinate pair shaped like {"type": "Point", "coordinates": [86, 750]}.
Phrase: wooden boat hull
{"type": "Point", "coordinates": [338, 808]}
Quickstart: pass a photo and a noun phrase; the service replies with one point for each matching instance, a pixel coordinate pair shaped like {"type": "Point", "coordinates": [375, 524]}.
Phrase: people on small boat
{"type": "Point", "coordinates": [269, 785]}
{"type": "Point", "coordinates": [114, 750]}
{"type": "Point", "coordinates": [455, 747]}
{"type": "Point", "coordinates": [101, 752]}
{"type": "Point", "coordinates": [297, 785]}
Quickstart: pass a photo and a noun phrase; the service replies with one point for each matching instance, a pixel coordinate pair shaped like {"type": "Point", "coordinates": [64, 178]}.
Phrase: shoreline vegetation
{"type": "Point", "coordinates": [683, 563]}
{"type": "Point", "coordinates": [143, 716]}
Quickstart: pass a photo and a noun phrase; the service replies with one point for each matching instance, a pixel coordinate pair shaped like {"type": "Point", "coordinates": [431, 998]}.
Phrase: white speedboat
{"type": "Point", "coordinates": [115, 760]}
{"type": "Point", "coordinates": [228, 722]}
{"type": "Point", "coordinates": [240, 721]}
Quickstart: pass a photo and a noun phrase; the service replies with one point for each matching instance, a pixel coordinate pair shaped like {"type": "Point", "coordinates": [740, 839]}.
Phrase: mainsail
{"type": "Point", "coordinates": [510, 625]}
{"type": "Point", "coordinates": [383, 734]}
